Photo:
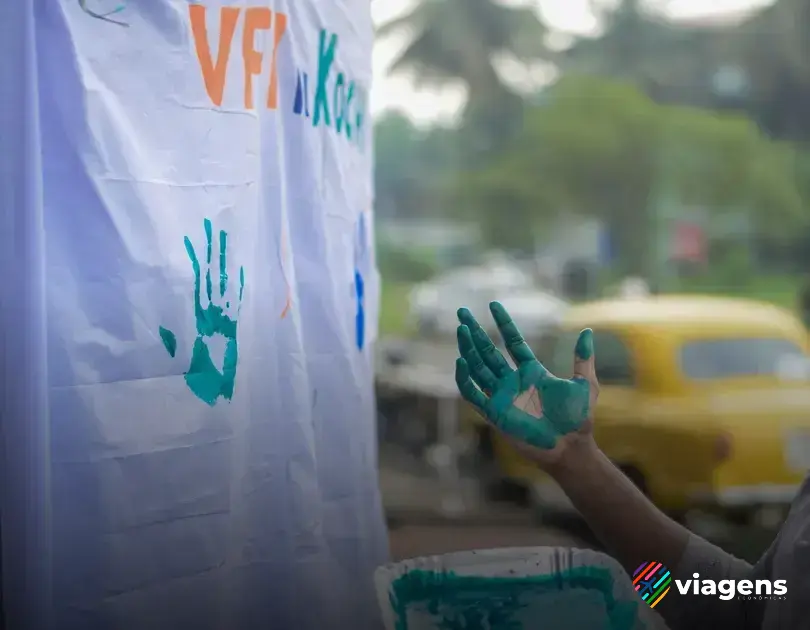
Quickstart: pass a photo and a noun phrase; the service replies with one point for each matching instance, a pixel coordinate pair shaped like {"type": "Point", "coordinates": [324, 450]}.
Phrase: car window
{"type": "Point", "coordinates": [613, 358]}
{"type": "Point", "coordinates": [544, 347]}
{"type": "Point", "coordinates": [729, 358]}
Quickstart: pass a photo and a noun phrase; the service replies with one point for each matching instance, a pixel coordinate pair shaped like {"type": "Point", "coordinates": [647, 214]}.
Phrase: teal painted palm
{"type": "Point", "coordinates": [205, 380]}
{"type": "Point", "coordinates": [527, 402]}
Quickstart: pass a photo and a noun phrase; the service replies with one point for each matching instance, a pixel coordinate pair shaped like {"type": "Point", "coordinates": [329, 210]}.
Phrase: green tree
{"type": "Point", "coordinates": [411, 165]}
{"type": "Point", "coordinates": [602, 148]}
{"type": "Point", "coordinates": [677, 62]}
{"type": "Point", "coordinates": [780, 70]}
{"type": "Point", "coordinates": [630, 46]}
{"type": "Point", "coordinates": [396, 149]}
{"type": "Point", "coordinates": [671, 61]}
{"type": "Point", "coordinates": [459, 40]}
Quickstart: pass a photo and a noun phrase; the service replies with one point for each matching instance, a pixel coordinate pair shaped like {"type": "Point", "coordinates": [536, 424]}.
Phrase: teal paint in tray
{"type": "Point", "coordinates": [576, 598]}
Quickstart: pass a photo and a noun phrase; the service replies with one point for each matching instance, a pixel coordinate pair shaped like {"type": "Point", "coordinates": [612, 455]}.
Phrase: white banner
{"type": "Point", "coordinates": [211, 296]}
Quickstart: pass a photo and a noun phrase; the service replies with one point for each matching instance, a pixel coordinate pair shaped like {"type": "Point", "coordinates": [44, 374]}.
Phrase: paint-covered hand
{"type": "Point", "coordinates": [204, 379]}
{"type": "Point", "coordinates": [529, 403]}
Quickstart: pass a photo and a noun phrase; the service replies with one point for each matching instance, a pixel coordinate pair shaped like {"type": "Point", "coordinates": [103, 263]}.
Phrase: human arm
{"type": "Point", "coordinates": [619, 514]}
{"type": "Point", "coordinates": [550, 420]}
{"type": "Point", "coordinates": [636, 532]}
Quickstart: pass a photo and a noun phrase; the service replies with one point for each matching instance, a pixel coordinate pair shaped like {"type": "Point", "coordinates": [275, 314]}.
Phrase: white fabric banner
{"type": "Point", "coordinates": [211, 297]}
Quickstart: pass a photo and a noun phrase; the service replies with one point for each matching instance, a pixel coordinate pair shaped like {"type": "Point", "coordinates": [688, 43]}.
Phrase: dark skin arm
{"type": "Point", "coordinates": [625, 520]}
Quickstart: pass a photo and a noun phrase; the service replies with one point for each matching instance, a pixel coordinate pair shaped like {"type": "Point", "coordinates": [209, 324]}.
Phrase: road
{"type": "Point", "coordinates": [411, 541]}
{"type": "Point", "coordinates": [418, 525]}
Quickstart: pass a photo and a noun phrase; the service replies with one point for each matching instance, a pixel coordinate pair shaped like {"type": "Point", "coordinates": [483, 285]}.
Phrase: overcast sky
{"type": "Point", "coordinates": [567, 15]}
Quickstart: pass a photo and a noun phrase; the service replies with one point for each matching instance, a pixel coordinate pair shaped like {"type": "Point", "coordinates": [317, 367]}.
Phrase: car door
{"type": "Point", "coordinates": [616, 374]}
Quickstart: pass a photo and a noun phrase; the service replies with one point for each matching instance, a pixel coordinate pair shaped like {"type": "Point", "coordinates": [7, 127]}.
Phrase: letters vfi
{"type": "Point", "coordinates": [215, 72]}
{"type": "Point", "coordinates": [339, 102]}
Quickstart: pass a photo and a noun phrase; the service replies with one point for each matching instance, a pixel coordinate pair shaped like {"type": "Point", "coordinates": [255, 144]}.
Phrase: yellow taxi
{"type": "Point", "coordinates": [705, 401]}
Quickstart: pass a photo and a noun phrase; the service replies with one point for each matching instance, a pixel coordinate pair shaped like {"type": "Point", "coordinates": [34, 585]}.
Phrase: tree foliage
{"type": "Point", "coordinates": [602, 148]}
{"type": "Point", "coordinates": [678, 61]}
{"type": "Point", "coordinates": [411, 165]}
{"type": "Point", "coordinates": [460, 40]}
{"type": "Point", "coordinates": [457, 40]}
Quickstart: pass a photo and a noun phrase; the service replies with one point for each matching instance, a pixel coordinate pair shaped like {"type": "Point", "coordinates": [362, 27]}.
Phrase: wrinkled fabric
{"type": "Point", "coordinates": [149, 172]}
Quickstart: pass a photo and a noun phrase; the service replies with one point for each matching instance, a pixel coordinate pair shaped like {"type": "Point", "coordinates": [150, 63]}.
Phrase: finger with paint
{"type": "Point", "coordinates": [527, 403]}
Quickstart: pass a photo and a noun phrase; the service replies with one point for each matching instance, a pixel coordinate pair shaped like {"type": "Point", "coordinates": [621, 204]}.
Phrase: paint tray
{"type": "Point", "coordinates": [535, 588]}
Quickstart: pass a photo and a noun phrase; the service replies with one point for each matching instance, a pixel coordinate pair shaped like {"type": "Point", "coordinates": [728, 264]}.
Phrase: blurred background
{"type": "Point", "coordinates": [557, 153]}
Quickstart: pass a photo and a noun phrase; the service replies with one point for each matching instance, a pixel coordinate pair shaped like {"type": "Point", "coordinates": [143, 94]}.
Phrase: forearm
{"type": "Point", "coordinates": [635, 531]}
{"type": "Point", "coordinates": [626, 522]}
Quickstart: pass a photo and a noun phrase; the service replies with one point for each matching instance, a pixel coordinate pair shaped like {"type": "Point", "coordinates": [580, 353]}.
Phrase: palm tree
{"type": "Point", "coordinates": [459, 40]}
{"type": "Point", "coordinates": [623, 48]}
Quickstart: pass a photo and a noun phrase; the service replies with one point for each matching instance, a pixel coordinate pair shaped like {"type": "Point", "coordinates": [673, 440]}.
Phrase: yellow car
{"type": "Point", "coordinates": [704, 400]}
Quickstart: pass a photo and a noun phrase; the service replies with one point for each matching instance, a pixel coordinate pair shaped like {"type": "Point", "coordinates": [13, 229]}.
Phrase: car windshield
{"type": "Point", "coordinates": [730, 358]}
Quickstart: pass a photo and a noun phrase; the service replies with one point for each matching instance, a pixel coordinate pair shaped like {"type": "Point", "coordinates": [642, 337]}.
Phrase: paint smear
{"type": "Point", "coordinates": [169, 341]}
{"type": "Point", "coordinates": [105, 16]}
{"type": "Point", "coordinates": [563, 404]}
{"type": "Point", "coordinates": [360, 318]}
{"type": "Point", "coordinates": [359, 285]}
{"type": "Point", "coordinates": [204, 379]}
{"type": "Point", "coordinates": [577, 599]}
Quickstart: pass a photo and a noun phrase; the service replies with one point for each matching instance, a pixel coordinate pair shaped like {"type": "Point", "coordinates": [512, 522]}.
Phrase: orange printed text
{"type": "Point", "coordinates": [214, 68]}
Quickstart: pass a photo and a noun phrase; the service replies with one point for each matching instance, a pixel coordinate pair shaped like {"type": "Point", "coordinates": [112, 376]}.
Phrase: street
{"type": "Point", "coordinates": [419, 524]}
{"type": "Point", "coordinates": [410, 541]}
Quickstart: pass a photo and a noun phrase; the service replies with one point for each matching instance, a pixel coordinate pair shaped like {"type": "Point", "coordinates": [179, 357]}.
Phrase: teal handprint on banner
{"type": "Point", "coordinates": [204, 379]}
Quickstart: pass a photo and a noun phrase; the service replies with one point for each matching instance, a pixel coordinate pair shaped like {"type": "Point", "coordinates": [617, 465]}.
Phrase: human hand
{"type": "Point", "coordinates": [547, 417]}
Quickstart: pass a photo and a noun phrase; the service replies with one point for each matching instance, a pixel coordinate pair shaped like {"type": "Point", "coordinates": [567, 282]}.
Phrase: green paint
{"type": "Point", "coordinates": [565, 402]}
{"type": "Point", "coordinates": [169, 341]}
{"type": "Point", "coordinates": [203, 378]}
{"type": "Point", "coordinates": [584, 347]}
{"type": "Point", "coordinates": [573, 599]}
{"type": "Point", "coordinates": [223, 273]}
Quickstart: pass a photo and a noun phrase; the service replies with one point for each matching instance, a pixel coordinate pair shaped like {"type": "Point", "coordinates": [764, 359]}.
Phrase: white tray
{"type": "Point", "coordinates": [547, 607]}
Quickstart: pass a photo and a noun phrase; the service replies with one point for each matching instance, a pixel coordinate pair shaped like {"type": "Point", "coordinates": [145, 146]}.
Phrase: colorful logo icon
{"type": "Point", "coordinates": [652, 580]}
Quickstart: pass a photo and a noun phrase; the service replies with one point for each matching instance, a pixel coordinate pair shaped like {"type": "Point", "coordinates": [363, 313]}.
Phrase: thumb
{"type": "Point", "coordinates": [584, 364]}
